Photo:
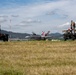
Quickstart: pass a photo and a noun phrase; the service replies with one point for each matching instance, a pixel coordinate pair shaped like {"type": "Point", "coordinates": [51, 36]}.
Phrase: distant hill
{"type": "Point", "coordinates": [23, 35]}
{"type": "Point", "coordinates": [56, 36]}
{"type": "Point", "coordinates": [15, 35]}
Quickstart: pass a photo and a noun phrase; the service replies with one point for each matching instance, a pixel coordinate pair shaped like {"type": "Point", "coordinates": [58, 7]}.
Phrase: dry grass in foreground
{"type": "Point", "coordinates": [38, 58]}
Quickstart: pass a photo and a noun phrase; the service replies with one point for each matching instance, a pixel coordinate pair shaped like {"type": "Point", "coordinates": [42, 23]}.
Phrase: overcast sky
{"type": "Point", "coordinates": [28, 16]}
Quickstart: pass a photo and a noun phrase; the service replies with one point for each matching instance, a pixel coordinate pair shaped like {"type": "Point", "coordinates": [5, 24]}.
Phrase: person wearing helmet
{"type": "Point", "coordinates": [72, 26]}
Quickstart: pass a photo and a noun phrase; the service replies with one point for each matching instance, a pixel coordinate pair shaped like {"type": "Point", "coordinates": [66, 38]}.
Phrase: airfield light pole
{"type": "Point", "coordinates": [10, 25]}
{"type": "Point", "coordinates": [12, 16]}
{"type": "Point", "coordinates": [0, 28]}
{"type": "Point", "coordinates": [10, 28]}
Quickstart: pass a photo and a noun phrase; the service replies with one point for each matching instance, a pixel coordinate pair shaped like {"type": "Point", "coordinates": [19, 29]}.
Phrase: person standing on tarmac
{"type": "Point", "coordinates": [72, 26]}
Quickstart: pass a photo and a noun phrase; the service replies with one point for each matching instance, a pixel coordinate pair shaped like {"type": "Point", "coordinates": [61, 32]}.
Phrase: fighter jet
{"type": "Point", "coordinates": [43, 36]}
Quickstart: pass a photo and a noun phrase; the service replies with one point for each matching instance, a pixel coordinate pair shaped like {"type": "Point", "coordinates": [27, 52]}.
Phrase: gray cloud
{"type": "Point", "coordinates": [15, 16]}
{"type": "Point", "coordinates": [59, 13]}
{"type": "Point", "coordinates": [31, 21]}
{"type": "Point", "coordinates": [3, 16]}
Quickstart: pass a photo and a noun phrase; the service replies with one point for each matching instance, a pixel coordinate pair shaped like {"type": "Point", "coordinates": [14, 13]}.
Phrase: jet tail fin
{"type": "Point", "coordinates": [47, 33]}
{"type": "Point", "coordinates": [33, 33]}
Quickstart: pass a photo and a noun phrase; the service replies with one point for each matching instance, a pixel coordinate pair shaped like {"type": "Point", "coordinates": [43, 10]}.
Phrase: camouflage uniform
{"type": "Point", "coordinates": [72, 27]}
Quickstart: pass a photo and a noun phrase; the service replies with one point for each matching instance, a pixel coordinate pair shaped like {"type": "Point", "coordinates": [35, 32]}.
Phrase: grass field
{"type": "Point", "coordinates": [38, 58]}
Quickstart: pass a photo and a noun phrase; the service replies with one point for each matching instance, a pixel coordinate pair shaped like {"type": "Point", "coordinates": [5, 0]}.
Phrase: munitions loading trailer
{"type": "Point", "coordinates": [69, 35]}
{"type": "Point", "coordinates": [3, 37]}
